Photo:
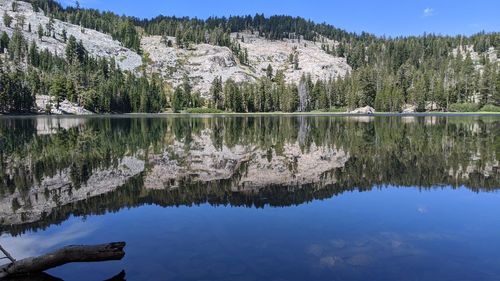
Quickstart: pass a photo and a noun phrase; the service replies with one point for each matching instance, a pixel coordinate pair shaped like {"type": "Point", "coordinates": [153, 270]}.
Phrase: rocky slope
{"type": "Point", "coordinates": [202, 63]}
{"type": "Point", "coordinates": [97, 43]}
{"type": "Point", "coordinates": [491, 54]}
{"type": "Point", "coordinates": [46, 104]}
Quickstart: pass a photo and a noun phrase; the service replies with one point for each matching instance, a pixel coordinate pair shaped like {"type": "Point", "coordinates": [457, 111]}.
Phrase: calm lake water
{"type": "Point", "coordinates": [257, 197]}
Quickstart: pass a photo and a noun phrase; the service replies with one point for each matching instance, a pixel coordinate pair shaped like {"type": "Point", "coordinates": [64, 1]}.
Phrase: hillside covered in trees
{"type": "Point", "coordinates": [424, 73]}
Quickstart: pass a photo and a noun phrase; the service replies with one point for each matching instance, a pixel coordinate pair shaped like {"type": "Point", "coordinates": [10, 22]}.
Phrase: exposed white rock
{"type": "Point", "coordinates": [363, 110]}
{"type": "Point", "coordinates": [409, 108]}
{"type": "Point", "coordinates": [491, 54]}
{"type": "Point", "coordinates": [432, 106]}
{"type": "Point", "coordinates": [46, 104]}
{"type": "Point", "coordinates": [202, 63]}
{"type": "Point", "coordinates": [312, 59]}
{"type": "Point", "coordinates": [97, 44]}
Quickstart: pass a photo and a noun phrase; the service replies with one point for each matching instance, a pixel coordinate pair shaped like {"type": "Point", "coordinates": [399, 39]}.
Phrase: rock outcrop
{"type": "Point", "coordinates": [311, 58]}
{"type": "Point", "coordinates": [409, 108]}
{"type": "Point", "coordinates": [96, 43]}
{"type": "Point", "coordinates": [202, 62]}
{"type": "Point", "coordinates": [432, 106]}
{"type": "Point", "coordinates": [47, 104]}
{"type": "Point", "coordinates": [363, 110]}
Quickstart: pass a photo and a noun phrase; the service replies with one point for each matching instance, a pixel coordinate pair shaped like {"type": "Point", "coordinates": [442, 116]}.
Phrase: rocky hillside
{"type": "Point", "coordinates": [97, 43]}
{"type": "Point", "coordinates": [201, 63]}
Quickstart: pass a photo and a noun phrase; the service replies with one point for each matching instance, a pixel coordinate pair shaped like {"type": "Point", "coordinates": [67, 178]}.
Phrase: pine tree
{"type": "Point", "coordinates": [4, 42]}
{"type": "Point", "coordinates": [71, 50]}
{"type": "Point", "coordinates": [17, 46]}
{"type": "Point", "coordinates": [269, 71]}
{"type": "Point", "coordinates": [487, 86]}
{"type": "Point", "coordinates": [496, 95]}
{"type": "Point", "coordinates": [296, 62]}
{"type": "Point", "coordinates": [7, 19]}
{"type": "Point", "coordinates": [216, 92]}
{"type": "Point", "coordinates": [58, 88]}
{"type": "Point", "coordinates": [177, 99]}
{"type": "Point", "coordinates": [40, 32]}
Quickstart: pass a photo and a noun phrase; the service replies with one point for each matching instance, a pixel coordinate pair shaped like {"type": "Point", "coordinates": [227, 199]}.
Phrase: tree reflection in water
{"type": "Point", "coordinates": [49, 168]}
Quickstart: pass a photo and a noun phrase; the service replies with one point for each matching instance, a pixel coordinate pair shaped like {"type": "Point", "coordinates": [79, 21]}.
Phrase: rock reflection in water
{"type": "Point", "coordinates": [94, 165]}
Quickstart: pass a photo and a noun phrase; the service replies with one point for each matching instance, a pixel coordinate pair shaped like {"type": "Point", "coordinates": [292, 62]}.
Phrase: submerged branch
{"type": "Point", "coordinates": [7, 255]}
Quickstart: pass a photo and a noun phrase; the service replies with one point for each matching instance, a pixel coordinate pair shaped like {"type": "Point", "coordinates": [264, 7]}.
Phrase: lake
{"type": "Point", "coordinates": [265, 197]}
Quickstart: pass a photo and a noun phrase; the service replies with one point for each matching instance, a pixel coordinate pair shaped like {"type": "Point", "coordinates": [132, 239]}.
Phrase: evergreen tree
{"type": "Point", "coordinates": [7, 19]}
{"type": "Point", "coordinates": [216, 92]}
{"type": "Point", "coordinates": [269, 71]}
{"type": "Point", "coordinates": [177, 99]}
{"type": "Point", "coordinates": [4, 42]}
{"type": "Point", "coordinates": [40, 32]}
{"type": "Point", "coordinates": [17, 46]}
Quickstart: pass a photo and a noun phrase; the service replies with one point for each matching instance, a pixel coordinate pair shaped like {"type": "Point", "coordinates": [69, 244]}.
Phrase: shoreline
{"type": "Point", "coordinates": [222, 114]}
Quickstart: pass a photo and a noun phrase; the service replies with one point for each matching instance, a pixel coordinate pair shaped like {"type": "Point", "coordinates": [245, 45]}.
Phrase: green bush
{"type": "Point", "coordinates": [334, 109]}
{"type": "Point", "coordinates": [464, 107]}
{"type": "Point", "coordinates": [490, 108]}
{"type": "Point", "coordinates": [203, 110]}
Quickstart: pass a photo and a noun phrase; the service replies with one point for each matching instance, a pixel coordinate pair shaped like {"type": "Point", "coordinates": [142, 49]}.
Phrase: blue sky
{"type": "Point", "coordinates": [381, 17]}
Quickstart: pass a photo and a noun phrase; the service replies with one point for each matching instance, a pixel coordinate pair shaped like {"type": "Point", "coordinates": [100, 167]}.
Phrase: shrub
{"type": "Point", "coordinates": [490, 108]}
{"type": "Point", "coordinates": [203, 110]}
{"type": "Point", "coordinates": [333, 109]}
{"type": "Point", "coordinates": [464, 107]}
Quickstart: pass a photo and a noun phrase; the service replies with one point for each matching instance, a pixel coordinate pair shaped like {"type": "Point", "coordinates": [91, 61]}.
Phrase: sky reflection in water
{"type": "Point", "coordinates": [377, 235]}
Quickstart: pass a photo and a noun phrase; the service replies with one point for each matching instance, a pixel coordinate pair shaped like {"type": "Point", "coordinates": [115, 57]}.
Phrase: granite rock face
{"type": "Point", "coordinates": [96, 43]}
{"type": "Point", "coordinates": [202, 63]}
{"type": "Point", "coordinates": [46, 104]}
{"type": "Point", "coordinates": [363, 110]}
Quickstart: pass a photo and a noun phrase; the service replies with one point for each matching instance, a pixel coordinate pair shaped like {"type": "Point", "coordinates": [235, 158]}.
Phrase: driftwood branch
{"type": "Point", "coordinates": [7, 255]}
{"type": "Point", "coordinates": [105, 252]}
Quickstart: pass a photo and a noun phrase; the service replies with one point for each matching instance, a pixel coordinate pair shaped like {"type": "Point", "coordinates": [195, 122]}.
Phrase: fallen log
{"type": "Point", "coordinates": [69, 254]}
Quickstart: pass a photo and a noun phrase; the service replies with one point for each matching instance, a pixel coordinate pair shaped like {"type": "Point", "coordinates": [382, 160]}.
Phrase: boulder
{"type": "Point", "coordinates": [363, 110]}
{"type": "Point", "coordinates": [409, 108]}
{"type": "Point", "coordinates": [46, 104]}
{"type": "Point", "coordinates": [432, 106]}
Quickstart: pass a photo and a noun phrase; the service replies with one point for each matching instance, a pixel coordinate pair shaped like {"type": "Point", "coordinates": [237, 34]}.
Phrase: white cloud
{"type": "Point", "coordinates": [35, 244]}
{"type": "Point", "coordinates": [428, 12]}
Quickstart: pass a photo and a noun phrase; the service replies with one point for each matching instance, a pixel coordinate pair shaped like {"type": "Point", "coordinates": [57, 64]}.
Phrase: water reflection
{"type": "Point", "coordinates": [54, 167]}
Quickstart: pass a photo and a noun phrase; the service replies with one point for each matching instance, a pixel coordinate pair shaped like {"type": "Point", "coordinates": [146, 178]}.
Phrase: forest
{"type": "Point", "coordinates": [430, 72]}
{"type": "Point", "coordinates": [95, 83]}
